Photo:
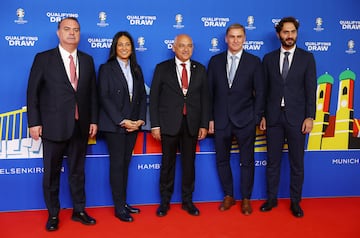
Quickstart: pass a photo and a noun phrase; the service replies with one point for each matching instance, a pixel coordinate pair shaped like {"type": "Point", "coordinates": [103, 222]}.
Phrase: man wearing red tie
{"type": "Point", "coordinates": [179, 115]}
{"type": "Point", "coordinates": [62, 109]}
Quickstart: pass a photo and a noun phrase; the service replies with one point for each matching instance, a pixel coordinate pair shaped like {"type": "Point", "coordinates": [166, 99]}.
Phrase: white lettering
{"type": "Point", "coordinates": [148, 166]}
{"type": "Point", "coordinates": [345, 161]}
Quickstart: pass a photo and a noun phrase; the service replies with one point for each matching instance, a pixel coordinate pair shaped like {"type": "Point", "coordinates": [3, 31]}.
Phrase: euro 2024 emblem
{"type": "Point", "coordinates": [319, 22]}
{"type": "Point", "coordinates": [20, 14]}
{"type": "Point", "coordinates": [178, 20]}
{"type": "Point", "coordinates": [250, 21]}
{"type": "Point", "coordinates": [141, 44]}
{"type": "Point", "coordinates": [102, 18]}
{"type": "Point", "coordinates": [351, 46]}
{"type": "Point", "coordinates": [214, 45]}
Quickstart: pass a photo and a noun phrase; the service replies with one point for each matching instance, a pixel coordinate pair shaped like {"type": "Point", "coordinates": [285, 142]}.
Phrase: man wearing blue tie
{"type": "Point", "coordinates": [237, 97]}
{"type": "Point", "coordinates": [290, 75]}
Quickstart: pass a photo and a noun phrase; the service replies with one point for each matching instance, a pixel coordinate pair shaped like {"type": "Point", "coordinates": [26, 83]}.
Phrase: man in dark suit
{"type": "Point", "coordinates": [237, 98]}
{"type": "Point", "coordinates": [290, 74]}
{"type": "Point", "coordinates": [63, 110]}
{"type": "Point", "coordinates": [179, 115]}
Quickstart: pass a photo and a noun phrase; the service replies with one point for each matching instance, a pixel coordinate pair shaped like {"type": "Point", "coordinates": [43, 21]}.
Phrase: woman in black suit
{"type": "Point", "coordinates": [122, 113]}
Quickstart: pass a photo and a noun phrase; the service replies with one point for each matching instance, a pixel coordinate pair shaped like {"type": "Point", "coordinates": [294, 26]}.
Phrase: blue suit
{"type": "Point", "coordinates": [235, 112]}
{"type": "Point", "coordinates": [299, 92]}
{"type": "Point", "coordinates": [116, 106]}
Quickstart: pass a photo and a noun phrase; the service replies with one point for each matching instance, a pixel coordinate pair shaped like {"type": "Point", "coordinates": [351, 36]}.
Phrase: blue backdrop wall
{"type": "Point", "coordinates": [329, 29]}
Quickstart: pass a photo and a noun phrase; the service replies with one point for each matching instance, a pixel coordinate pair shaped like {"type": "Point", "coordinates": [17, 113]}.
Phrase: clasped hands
{"type": "Point", "coordinates": [131, 126]}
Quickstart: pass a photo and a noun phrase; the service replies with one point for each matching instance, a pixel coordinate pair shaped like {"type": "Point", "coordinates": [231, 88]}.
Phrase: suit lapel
{"type": "Point", "coordinates": [119, 74]}
{"type": "Point", "coordinates": [276, 66]}
{"type": "Point", "coordinates": [241, 60]}
{"type": "Point", "coordinates": [193, 72]}
{"type": "Point", "coordinates": [61, 64]}
{"type": "Point", "coordinates": [173, 76]}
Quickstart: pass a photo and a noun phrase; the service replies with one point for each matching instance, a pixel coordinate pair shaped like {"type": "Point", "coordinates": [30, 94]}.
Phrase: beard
{"type": "Point", "coordinates": [288, 42]}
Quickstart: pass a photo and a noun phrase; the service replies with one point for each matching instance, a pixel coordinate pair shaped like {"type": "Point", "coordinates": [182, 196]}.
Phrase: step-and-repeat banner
{"type": "Point", "coordinates": [328, 29]}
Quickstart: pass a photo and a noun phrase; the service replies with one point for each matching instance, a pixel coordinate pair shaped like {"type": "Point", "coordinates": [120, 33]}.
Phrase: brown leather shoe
{"type": "Point", "coordinates": [227, 203]}
{"type": "Point", "coordinates": [246, 208]}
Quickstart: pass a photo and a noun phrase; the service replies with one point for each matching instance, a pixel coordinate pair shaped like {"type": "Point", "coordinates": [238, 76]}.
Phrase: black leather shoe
{"type": "Point", "coordinates": [131, 209]}
{"type": "Point", "coordinates": [83, 217]}
{"type": "Point", "coordinates": [162, 209]}
{"type": "Point", "coordinates": [124, 215]}
{"type": "Point", "coordinates": [268, 205]}
{"type": "Point", "coordinates": [52, 224]}
{"type": "Point", "coordinates": [190, 208]}
{"type": "Point", "coordinates": [296, 209]}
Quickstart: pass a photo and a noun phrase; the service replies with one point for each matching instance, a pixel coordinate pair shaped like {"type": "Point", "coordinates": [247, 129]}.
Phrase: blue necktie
{"type": "Point", "coordinates": [232, 70]}
{"type": "Point", "coordinates": [285, 69]}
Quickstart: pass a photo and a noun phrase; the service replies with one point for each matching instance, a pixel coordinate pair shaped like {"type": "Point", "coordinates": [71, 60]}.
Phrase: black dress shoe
{"type": "Point", "coordinates": [83, 217]}
{"type": "Point", "coordinates": [268, 205]}
{"type": "Point", "coordinates": [131, 209]}
{"type": "Point", "coordinates": [52, 224]}
{"type": "Point", "coordinates": [162, 209]}
{"type": "Point", "coordinates": [296, 209]}
{"type": "Point", "coordinates": [190, 208]}
{"type": "Point", "coordinates": [124, 215]}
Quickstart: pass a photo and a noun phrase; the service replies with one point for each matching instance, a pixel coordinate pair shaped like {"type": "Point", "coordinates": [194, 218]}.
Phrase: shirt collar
{"type": "Point", "coordinates": [292, 50]}
{"type": "Point", "coordinates": [122, 63]}
{"type": "Point", "coordinates": [66, 54]}
{"type": "Point", "coordinates": [238, 54]}
{"type": "Point", "coordinates": [179, 62]}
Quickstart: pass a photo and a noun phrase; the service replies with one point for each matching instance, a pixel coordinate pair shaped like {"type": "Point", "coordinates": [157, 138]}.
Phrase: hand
{"type": "Point", "coordinates": [307, 125]}
{"type": "Point", "coordinates": [211, 127]}
{"type": "Point", "coordinates": [262, 125]}
{"type": "Point", "coordinates": [155, 132]}
{"type": "Point", "coordinates": [93, 130]}
{"type": "Point", "coordinates": [202, 133]}
{"type": "Point", "coordinates": [35, 132]}
{"type": "Point", "coordinates": [130, 125]}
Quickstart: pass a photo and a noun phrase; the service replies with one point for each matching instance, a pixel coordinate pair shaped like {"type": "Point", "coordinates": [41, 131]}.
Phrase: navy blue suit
{"type": "Point", "coordinates": [116, 106]}
{"type": "Point", "coordinates": [235, 112]}
{"type": "Point", "coordinates": [299, 92]}
{"type": "Point", "coordinates": [51, 102]}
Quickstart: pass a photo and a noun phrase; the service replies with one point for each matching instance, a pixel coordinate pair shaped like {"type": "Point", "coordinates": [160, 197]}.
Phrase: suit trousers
{"type": "Point", "coordinates": [276, 135]}
{"type": "Point", "coordinates": [245, 138]}
{"type": "Point", "coordinates": [120, 146]}
{"type": "Point", "coordinates": [187, 147]}
{"type": "Point", "coordinates": [53, 154]}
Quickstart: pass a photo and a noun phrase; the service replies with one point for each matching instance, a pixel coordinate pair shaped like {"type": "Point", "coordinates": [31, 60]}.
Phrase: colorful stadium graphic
{"type": "Point", "coordinates": [331, 132]}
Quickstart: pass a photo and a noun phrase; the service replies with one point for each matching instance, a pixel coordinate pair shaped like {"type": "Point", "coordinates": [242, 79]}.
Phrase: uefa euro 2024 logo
{"type": "Point", "coordinates": [102, 18]}
{"type": "Point", "coordinates": [178, 20]}
{"type": "Point", "coordinates": [351, 47]}
{"type": "Point", "coordinates": [214, 45]}
{"type": "Point", "coordinates": [20, 14]}
{"type": "Point", "coordinates": [250, 21]}
{"type": "Point", "coordinates": [141, 44]}
{"type": "Point", "coordinates": [319, 23]}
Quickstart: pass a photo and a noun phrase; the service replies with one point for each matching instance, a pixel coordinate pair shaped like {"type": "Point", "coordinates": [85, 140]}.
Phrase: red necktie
{"type": "Point", "coordinates": [184, 84]}
{"type": "Point", "coordinates": [74, 81]}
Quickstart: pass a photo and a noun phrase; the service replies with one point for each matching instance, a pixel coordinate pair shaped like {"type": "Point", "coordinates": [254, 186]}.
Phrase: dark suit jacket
{"type": "Point", "coordinates": [51, 99]}
{"type": "Point", "coordinates": [115, 98]}
{"type": "Point", "coordinates": [298, 89]}
{"type": "Point", "coordinates": [167, 99]}
{"type": "Point", "coordinates": [244, 101]}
